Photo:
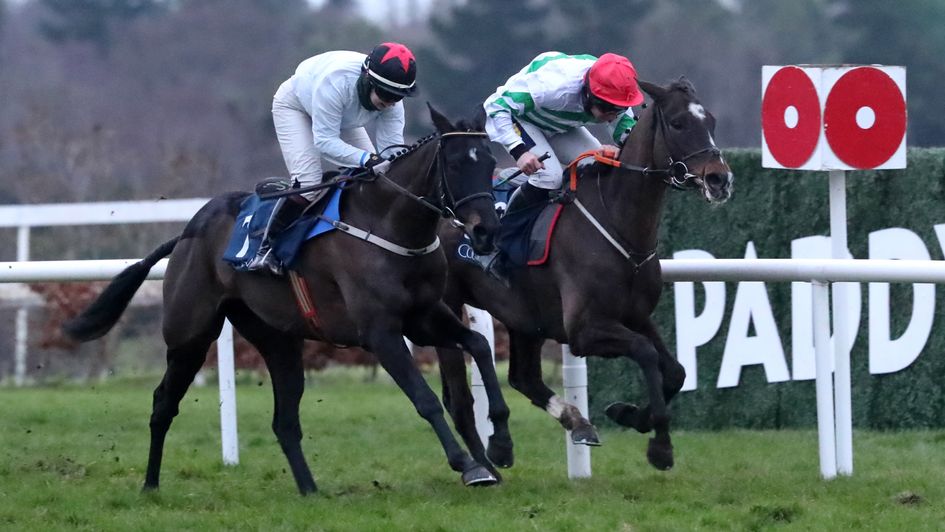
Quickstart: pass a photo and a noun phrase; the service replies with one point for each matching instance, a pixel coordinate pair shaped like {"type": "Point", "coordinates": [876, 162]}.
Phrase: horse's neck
{"type": "Point", "coordinates": [379, 208]}
{"type": "Point", "coordinates": [634, 201]}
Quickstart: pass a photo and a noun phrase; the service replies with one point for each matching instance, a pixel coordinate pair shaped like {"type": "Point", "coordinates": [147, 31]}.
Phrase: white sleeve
{"type": "Point", "coordinates": [327, 108]}
{"type": "Point", "coordinates": [500, 108]}
{"type": "Point", "coordinates": [390, 127]}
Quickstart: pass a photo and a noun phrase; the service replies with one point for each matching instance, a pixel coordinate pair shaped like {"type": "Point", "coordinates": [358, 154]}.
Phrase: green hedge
{"type": "Point", "coordinates": [772, 208]}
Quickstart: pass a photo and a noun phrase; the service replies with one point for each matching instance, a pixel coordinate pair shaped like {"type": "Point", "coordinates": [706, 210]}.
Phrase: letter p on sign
{"type": "Point", "coordinates": [833, 117]}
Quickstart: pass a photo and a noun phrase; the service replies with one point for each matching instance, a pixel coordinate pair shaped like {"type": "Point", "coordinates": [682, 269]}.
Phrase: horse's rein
{"type": "Point", "coordinates": [676, 175]}
{"type": "Point", "coordinates": [446, 211]}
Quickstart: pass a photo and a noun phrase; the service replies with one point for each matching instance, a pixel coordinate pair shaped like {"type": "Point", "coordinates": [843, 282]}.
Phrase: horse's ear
{"type": "Point", "coordinates": [655, 91]}
{"type": "Point", "coordinates": [479, 119]}
{"type": "Point", "coordinates": [686, 85]}
{"type": "Point", "coordinates": [443, 124]}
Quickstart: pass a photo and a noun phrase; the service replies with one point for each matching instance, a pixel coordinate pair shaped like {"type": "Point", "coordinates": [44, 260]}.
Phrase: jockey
{"type": "Point", "coordinates": [544, 107]}
{"type": "Point", "coordinates": [321, 113]}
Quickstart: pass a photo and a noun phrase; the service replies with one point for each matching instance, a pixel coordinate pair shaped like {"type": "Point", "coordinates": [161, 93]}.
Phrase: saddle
{"type": "Point", "coordinates": [254, 212]}
{"type": "Point", "coordinates": [525, 230]}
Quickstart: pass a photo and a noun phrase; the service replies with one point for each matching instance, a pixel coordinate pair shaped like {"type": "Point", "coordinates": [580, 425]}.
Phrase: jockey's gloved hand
{"type": "Point", "coordinates": [377, 164]}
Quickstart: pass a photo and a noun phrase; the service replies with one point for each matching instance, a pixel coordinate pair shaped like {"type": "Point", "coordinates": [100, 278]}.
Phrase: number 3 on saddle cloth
{"type": "Point", "coordinates": [251, 225]}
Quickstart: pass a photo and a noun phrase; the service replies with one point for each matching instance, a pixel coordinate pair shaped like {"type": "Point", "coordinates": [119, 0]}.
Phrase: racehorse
{"type": "Point", "coordinates": [364, 294]}
{"type": "Point", "coordinates": [602, 278]}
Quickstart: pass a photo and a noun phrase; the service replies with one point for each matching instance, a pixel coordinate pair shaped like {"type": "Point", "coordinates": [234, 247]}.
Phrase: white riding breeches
{"type": "Point", "coordinates": [563, 147]}
{"type": "Point", "coordinates": [294, 131]}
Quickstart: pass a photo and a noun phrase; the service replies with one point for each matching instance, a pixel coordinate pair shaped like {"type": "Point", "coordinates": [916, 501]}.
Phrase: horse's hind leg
{"type": "Point", "coordinates": [525, 376]}
{"type": "Point", "coordinates": [383, 337]}
{"type": "Point", "coordinates": [283, 356]}
{"type": "Point", "coordinates": [440, 327]}
{"type": "Point", "coordinates": [184, 360]}
{"type": "Point", "coordinates": [610, 339]}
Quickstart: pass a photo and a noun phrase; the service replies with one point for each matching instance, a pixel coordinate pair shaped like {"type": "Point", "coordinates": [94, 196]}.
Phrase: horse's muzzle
{"type": "Point", "coordinates": [717, 186]}
{"type": "Point", "coordinates": [482, 238]}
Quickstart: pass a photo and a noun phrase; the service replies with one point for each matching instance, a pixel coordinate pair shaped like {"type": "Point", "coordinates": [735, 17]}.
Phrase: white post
{"type": "Point", "coordinates": [574, 375]}
{"type": "Point", "coordinates": [481, 322]}
{"type": "Point", "coordinates": [842, 379]}
{"type": "Point", "coordinates": [22, 313]}
{"type": "Point", "coordinates": [825, 422]}
{"type": "Point", "coordinates": [227, 376]}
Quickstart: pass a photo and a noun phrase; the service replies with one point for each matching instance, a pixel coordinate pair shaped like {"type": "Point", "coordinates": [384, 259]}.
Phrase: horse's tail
{"type": "Point", "coordinates": [103, 313]}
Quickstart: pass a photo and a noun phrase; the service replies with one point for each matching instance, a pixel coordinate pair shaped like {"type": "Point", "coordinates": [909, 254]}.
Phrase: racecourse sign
{"type": "Point", "coordinates": [765, 347]}
{"type": "Point", "coordinates": [833, 117]}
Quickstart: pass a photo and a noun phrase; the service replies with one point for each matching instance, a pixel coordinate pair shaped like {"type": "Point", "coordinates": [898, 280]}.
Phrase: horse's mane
{"type": "Point", "coordinates": [413, 147]}
{"type": "Point", "coordinates": [464, 124]}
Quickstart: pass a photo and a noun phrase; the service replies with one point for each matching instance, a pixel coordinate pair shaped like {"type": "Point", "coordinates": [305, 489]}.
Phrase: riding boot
{"type": "Point", "coordinates": [286, 211]}
{"type": "Point", "coordinates": [526, 197]}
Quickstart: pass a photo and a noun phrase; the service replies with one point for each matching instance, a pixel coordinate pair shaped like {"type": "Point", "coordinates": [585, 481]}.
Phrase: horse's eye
{"type": "Point", "coordinates": [676, 124]}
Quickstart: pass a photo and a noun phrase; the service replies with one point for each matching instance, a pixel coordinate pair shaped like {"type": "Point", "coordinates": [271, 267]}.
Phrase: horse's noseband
{"type": "Point", "coordinates": [678, 172]}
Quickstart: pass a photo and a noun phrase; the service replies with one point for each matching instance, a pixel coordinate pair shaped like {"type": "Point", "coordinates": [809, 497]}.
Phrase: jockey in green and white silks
{"type": "Point", "coordinates": [545, 106]}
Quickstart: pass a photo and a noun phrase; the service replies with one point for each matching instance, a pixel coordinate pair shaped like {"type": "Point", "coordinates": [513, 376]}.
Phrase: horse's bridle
{"type": "Point", "coordinates": [446, 204]}
{"type": "Point", "coordinates": [677, 174]}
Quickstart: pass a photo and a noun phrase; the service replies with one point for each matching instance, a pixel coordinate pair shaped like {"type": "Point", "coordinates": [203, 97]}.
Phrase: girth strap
{"type": "Point", "coordinates": [380, 242]}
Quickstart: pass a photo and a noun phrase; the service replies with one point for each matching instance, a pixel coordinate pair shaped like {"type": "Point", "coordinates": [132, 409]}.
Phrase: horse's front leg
{"type": "Point", "coordinates": [674, 376]}
{"type": "Point", "coordinates": [382, 335]}
{"type": "Point", "coordinates": [611, 339]}
{"type": "Point", "coordinates": [441, 328]}
{"type": "Point", "coordinates": [525, 376]}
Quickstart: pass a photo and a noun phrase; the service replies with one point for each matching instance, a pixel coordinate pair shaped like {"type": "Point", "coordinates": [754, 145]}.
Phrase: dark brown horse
{"type": "Point", "coordinates": [364, 294]}
{"type": "Point", "coordinates": [601, 282]}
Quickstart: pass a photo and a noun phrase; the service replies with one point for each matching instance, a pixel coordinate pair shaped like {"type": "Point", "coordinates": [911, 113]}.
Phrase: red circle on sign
{"type": "Point", "coordinates": [790, 146]}
{"type": "Point", "coordinates": [874, 89]}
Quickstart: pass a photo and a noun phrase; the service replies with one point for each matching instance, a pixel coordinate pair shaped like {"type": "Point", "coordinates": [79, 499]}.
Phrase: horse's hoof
{"type": "Point", "coordinates": [148, 488]}
{"type": "Point", "coordinates": [500, 452]}
{"type": "Point", "coordinates": [627, 415]}
{"type": "Point", "coordinates": [660, 455]}
{"type": "Point", "coordinates": [479, 476]}
{"type": "Point", "coordinates": [585, 435]}
{"type": "Point", "coordinates": [308, 490]}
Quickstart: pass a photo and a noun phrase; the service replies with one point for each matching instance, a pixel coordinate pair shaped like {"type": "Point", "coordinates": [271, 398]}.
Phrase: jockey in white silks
{"type": "Point", "coordinates": [320, 114]}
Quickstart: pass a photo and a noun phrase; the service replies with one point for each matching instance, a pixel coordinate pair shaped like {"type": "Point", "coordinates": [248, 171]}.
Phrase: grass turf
{"type": "Point", "coordinates": [73, 457]}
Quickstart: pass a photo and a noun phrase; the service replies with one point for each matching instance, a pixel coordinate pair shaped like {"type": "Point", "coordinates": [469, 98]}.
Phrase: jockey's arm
{"type": "Point", "coordinates": [620, 128]}
{"type": "Point", "coordinates": [390, 127]}
{"type": "Point", "coordinates": [327, 108]}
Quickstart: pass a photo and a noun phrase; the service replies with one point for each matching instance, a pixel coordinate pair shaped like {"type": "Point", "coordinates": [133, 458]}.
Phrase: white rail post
{"type": "Point", "coordinates": [842, 379]}
{"type": "Point", "coordinates": [226, 373]}
{"type": "Point", "coordinates": [574, 376]}
{"type": "Point", "coordinates": [822, 352]}
{"type": "Point", "coordinates": [481, 322]}
{"type": "Point", "coordinates": [22, 313]}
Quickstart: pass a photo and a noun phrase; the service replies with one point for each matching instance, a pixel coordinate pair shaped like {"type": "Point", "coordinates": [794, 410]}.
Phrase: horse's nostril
{"type": "Point", "coordinates": [714, 180]}
{"type": "Point", "coordinates": [483, 238]}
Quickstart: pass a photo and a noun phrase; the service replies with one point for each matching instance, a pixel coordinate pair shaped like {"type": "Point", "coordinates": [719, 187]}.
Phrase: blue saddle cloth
{"type": "Point", "coordinates": [251, 226]}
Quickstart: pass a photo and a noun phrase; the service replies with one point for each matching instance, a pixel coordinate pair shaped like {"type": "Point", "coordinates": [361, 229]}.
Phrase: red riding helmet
{"type": "Point", "coordinates": [613, 79]}
{"type": "Point", "coordinates": [391, 68]}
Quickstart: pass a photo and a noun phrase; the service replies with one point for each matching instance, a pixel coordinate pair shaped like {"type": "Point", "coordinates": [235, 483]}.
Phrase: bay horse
{"type": "Point", "coordinates": [602, 278]}
{"type": "Point", "coordinates": [365, 295]}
